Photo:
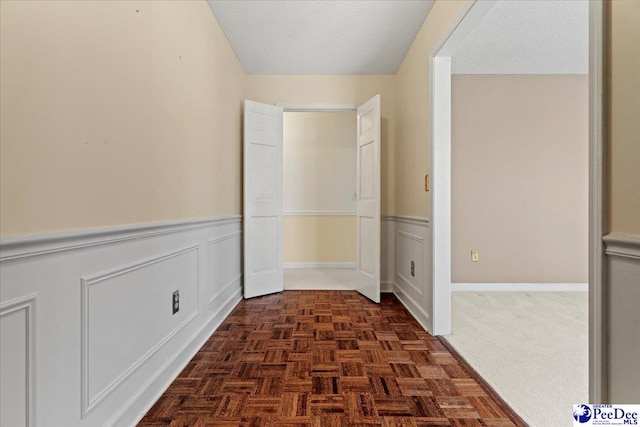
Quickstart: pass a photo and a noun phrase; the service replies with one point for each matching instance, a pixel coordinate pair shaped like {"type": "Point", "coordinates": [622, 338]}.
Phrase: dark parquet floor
{"type": "Point", "coordinates": [324, 359]}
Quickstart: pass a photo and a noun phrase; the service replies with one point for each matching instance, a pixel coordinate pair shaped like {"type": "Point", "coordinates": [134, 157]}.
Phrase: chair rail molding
{"type": "Point", "coordinates": [18, 247]}
{"type": "Point", "coordinates": [622, 245]}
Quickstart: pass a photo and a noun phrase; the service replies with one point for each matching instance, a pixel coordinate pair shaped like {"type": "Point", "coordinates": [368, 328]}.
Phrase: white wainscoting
{"type": "Point", "coordinates": [387, 253]}
{"type": "Point", "coordinates": [223, 274]}
{"type": "Point", "coordinates": [623, 267]}
{"type": "Point", "coordinates": [406, 239]}
{"type": "Point", "coordinates": [88, 335]}
{"type": "Point", "coordinates": [16, 369]}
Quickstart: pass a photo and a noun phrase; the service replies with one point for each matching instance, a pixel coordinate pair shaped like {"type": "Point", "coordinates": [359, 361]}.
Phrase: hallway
{"type": "Point", "coordinates": [326, 358]}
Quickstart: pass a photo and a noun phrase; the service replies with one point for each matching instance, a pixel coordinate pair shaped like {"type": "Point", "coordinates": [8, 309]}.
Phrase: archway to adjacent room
{"type": "Point", "coordinates": [441, 180]}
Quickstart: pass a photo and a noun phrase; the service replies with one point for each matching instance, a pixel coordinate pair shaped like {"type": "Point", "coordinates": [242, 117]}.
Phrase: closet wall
{"type": "Point", "coordinates": [319, 188]}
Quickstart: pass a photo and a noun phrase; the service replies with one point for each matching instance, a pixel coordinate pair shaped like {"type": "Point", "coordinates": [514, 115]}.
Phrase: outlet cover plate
{"type": "Point", "coordinates": [175, 302]}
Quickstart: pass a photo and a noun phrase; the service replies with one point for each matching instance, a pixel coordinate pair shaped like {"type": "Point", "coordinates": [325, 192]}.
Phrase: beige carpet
{"type": "Point", "coordinates": [531, 347]}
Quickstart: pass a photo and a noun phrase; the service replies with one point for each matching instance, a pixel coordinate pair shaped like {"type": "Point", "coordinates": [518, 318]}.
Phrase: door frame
{"type": "Point", "coordinates": [440, 154]}
{"type": "Point", "coordinates": [298, 108]}
{"type": "Point", "coordinates": [321, 108]}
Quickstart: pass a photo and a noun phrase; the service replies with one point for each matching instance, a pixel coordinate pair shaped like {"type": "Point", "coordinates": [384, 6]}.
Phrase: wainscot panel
{"type": "Point", "coordinates": [16, 369]}
{"type": "Point", "coordinates": [102, 342]}
{"type": "Point", "coordinates": [225, 263]}
{"type": "Point", "coordinates": [412, 281]}
{"type": "Point", "coordinates": [387, 253]}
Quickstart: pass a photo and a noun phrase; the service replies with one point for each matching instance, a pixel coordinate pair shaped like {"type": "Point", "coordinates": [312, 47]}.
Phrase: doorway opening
{"type": "Point", "coordinates": [263, 196]}
{"type": "Point", "coordinates": [441, 103]}
{"type": "Point", "coordinates": [319, 199]}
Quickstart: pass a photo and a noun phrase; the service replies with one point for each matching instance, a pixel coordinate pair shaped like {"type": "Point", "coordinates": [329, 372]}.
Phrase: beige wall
{"type": "Point", "coordinates": [345, 89]}
{"type": "Point", "coordinates": [319, 151]}
{"type": "Point", "coordinates": [412, 112]}
{"type": "Point", "coordinates": [624, 178]}
{"type": "Point", "coordinates": [116, 113]}
{"type": "Point", "coordinates": [319, 176]}
{"type": "Point", "coordinates": [315, 238]}
{"type": "Point", "coordinates": [520, 148]}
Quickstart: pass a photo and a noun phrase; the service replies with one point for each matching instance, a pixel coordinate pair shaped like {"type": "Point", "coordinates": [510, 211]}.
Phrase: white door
{"type": "Point", "coordinates": [369, 199]}
{"type": "Point", "coordinates": [262, 219]}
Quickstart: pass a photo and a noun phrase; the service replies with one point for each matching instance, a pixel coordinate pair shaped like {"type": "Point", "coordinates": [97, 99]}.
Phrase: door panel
{"type": "Point", "coordinates": [263, 267]}
{"type": "Point", "coordinates": [368, 265]}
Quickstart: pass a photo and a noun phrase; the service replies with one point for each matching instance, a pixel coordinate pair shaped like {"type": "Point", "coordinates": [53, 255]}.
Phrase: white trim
{"type": "Point", "coordinates": [406, 280]}
{"type": "Point", "coordinates": [598, 327]}
{"type": "Point", "coordinates": [351, 286]}
{"type": "Point", "coordinates": [287, 107]}
{"type": "Point", "coordinates": [519, 287]}
{"type": "Point", "coordinates": [386, 287]}
{"type": "Point", "coordinates": [414, 308]}
{"type": "Point", "coordinates": [231, 282]}
{"type": "Point", "coordinates": [441, 195]}
{"type": "Point", "coordinates": [320, 213]}
{"type": "Point", "coordinates": [225, 237]}
{"type": "Point", "coordinates": [622, 245]}
{"type": "Point", "coordinates": [440, 109]}
{"type": "Point", "coordinates": [318, 265]}
{"type": "Point", "coordinates": [12, 248]}
{"type": "Point", "coordinates": [415, 220]}
{"type": "Point", "coordinates": [235, 279]}
{"type": "Point", "coordinates": [26, 303]}
{"type": "Point", "coordinates": [89, 402]}
{"type": "Point", "coordinates": [411, 236]}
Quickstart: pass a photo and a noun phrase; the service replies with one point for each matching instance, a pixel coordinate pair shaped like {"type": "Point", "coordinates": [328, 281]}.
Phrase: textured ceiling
{"type": "Point", "coordinates": [321, 37]}
{"type": "Point", "coordinates": [528, 37]}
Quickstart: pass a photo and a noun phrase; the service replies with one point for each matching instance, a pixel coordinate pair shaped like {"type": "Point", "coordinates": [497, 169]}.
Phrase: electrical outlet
{"type": "Point", "coordinates": [175, 302]}
{"type": "Point", "coordinates": [475, 257]}
{"type": "Point", "coordinates": [413, 268]}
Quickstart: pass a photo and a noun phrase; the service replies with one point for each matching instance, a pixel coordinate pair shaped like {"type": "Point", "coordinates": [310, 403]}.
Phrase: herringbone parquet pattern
{"type": "Point", "coordinates": [323, 359]}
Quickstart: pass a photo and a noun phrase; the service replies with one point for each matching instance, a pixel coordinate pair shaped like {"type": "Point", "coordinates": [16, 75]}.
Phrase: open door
{"type": "Point", "coordinates": [368, 182]}
{"type": "Point", "coordinates": [262, 219]}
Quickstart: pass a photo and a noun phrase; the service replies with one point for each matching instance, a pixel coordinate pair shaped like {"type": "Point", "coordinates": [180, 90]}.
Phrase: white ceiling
{"type": "Point", "coordinates": [372, 37]}
{"type": "Point", "coordinates": [528, 37]}
{"type": "Point", "coordinates": [321, 37]}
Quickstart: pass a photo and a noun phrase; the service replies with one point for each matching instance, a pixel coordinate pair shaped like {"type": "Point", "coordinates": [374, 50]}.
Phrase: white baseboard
{"type": "Point", "coordinates": [322, 287]}
{"type": "Point", "coordinates": [317, 265]}
{"type": "Point", "coordinates": [519, 287]}
{"type": "Point", "coordinates": [386, 287]}
{"type": "Point", "coordinates": [413, 307]}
